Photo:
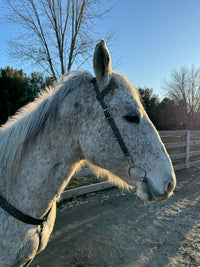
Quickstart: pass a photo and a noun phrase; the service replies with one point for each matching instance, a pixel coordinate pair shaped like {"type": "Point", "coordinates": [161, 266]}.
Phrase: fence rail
{"type": "Point", "coordinates": [186, 149]}
{"type": "Point", "coordinates": [182, 146]}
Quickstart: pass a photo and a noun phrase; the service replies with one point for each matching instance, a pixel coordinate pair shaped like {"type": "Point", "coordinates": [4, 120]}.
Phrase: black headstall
{"type": "Point", "coordinates": [108, 115]}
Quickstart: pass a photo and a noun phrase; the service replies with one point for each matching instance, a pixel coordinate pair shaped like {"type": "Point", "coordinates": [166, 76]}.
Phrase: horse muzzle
{"type": "Point", "coordinates": [167, 191]}
{"type": "Point", "coordinates": [147, 191]}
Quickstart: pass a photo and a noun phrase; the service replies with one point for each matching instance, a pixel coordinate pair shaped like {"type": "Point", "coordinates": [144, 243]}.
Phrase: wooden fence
{"type": "Point", "coordinates": [182, 146]}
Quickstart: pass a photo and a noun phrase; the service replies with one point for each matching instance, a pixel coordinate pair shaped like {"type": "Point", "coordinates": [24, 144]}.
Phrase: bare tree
{"type": "Point", "coordinates": [183, 86]}
{"type": "Point", "coordinates": [55, 33]}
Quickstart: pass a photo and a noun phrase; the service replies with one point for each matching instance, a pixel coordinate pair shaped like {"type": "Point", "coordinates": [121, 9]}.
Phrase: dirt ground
{"type": "Point", "coordinates": [114, 228]}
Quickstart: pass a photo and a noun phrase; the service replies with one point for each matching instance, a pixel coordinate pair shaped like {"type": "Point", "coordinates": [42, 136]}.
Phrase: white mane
{"type": "Point", "coordinates": [29, 121]}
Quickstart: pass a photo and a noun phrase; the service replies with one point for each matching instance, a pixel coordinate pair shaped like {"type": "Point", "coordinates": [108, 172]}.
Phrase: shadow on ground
{"type": "Point", "coordinates": [114, 228]}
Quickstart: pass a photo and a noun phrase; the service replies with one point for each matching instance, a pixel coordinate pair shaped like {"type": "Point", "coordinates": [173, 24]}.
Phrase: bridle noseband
{"type": "Point", "coordinates": [100, 97]}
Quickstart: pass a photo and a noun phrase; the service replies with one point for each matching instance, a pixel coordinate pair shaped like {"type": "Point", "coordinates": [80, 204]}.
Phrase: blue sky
{"type": "Point", "coordinates": [152, 37]}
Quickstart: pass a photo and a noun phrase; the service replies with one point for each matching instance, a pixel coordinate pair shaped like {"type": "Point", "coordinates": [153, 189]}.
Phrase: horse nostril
{"type": "Point", "coordinates": [170, 187]}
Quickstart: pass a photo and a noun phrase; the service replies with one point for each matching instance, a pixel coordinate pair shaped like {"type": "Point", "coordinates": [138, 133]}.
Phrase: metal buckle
{"type": "Point", "coordinates": [129, 159]}
{"type": "Point", "coordinates": [107, 113]}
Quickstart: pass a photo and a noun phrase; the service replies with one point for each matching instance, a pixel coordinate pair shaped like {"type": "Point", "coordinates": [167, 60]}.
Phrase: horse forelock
{"type": "Point", "coordinates": [30, 121]}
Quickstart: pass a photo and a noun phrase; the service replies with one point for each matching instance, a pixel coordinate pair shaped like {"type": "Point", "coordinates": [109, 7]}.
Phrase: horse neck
{"type": "Point", "coordinates": [46, 168]}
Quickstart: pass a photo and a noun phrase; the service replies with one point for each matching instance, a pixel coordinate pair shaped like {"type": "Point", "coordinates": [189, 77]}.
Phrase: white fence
{"type": "Point", "coordinates": [182, 146]}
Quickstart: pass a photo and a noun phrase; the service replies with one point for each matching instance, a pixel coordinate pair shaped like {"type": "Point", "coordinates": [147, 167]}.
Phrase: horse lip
{"type": "Point", "coordinates": [156, 197]}
{"type": "Point", "coordinates": [148, 186]}
{"type": "Point", "coordinates": [162, 197]}
{"type": "Point", "coordinates": [152, 194]}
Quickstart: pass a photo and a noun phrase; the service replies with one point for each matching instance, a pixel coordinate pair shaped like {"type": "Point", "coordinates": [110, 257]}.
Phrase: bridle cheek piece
{"type": "Point", "coordinates": [135, 172]}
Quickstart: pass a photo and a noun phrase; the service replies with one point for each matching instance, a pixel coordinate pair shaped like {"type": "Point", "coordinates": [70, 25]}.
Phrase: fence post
{"type": "Point", "coordinates": [187, 159]}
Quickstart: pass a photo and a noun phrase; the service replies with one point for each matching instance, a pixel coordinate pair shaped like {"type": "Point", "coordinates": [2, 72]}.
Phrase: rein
{"type": "Point", "coordinates": [17, 214]}
{"type": "Point", "coordinates": [108, 115]}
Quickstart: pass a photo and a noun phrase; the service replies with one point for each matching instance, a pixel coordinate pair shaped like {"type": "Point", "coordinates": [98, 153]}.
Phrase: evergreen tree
{"type": "Point", "coordinates": [17, 89]}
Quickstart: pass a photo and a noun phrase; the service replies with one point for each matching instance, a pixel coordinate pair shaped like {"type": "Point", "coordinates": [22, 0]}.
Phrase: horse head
{"type": "Point", "coordinates": [151, 170]}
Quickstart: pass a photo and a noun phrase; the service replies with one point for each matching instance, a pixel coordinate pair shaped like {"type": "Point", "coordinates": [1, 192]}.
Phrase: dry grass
{"type": "Point", "coordinates": [83, 181]}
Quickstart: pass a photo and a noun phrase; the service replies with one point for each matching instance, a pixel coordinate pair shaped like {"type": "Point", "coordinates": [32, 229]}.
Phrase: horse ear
{"type": "Point", "coordinates": [102, 64]}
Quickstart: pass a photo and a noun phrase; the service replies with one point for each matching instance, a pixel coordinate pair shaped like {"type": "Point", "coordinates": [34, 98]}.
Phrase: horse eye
{"type": "Point", "coordinates": [132, 118]}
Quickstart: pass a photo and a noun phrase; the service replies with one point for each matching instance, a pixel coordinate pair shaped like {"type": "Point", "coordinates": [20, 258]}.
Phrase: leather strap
{"type": "Point", "coordinates": [17, 214]}
{"type": "Point", "coordinates": [100, 96]}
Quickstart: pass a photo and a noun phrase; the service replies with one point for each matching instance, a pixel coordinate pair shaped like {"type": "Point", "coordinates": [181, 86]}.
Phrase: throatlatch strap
{"type": "Point", "coordinates": [108, 115]}
{"type": "Point", "coordinates": [17, 214]}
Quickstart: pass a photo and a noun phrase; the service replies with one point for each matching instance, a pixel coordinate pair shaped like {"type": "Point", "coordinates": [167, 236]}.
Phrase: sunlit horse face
{"type": "Point", "coordinates": [100, 146]}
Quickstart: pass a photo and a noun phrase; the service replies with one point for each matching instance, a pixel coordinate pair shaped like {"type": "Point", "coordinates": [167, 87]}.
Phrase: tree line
{"type": "Point", "coordinates": [180, 110]}
{"type": "Point", "coordinates": [165, 114]}
{"type": "Point", "coordinates": [54, 35]}
{"type": "Point", "coordinates": [17, 89]}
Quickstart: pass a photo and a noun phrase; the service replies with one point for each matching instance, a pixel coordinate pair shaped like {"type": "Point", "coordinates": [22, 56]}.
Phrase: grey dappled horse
{"type": "Point", "coordinates": [101, 121]}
